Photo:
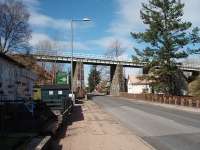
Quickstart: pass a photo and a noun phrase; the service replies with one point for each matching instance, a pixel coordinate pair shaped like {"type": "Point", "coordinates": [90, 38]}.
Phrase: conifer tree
{"type": "Point", "coordinates": [94, 78]}
{"type": "Point", "coordinates": [167, 40]}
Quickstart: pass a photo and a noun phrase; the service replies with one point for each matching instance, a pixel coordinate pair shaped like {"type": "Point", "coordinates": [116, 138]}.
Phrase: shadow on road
{"type": "Point", "coordinates": [77, 115]}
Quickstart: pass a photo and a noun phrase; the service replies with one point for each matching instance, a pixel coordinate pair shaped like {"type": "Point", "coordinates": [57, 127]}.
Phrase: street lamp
{"type": "Point", "coordinates": [72, 51]}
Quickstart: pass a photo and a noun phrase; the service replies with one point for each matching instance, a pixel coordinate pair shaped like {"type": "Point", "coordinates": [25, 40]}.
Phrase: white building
{"type": "Point", "coordinates": [137, 86]}
{"type": "Point", "coordinates": [16, 81]}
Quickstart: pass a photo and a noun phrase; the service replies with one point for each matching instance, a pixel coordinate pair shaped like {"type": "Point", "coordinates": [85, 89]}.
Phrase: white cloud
{"type": "Point", "coordinates": [128, 20]}
{"type": "Point", "coordinates": [38, 19]}
{"type": "Point", "coordinates": [106, 42]}
{"type": "Point", "coordinates": [124, 57]}
{"type": "Point", "coordinates": [41, 20]}
{"type": "Point", "coordinates": [37, 37]}
{"type": "Point", "coordinates": [128, 16]}
{"type": "Point", "coordinates": [31, 2]}
{"type": "Point", "coordinates": [60, 45]}
{"type": "Point", "coordinates": [191, 11]}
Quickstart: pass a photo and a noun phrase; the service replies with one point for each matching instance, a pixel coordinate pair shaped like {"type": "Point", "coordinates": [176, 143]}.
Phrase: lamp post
{"type": "Point", "coordinates": [72, 51]}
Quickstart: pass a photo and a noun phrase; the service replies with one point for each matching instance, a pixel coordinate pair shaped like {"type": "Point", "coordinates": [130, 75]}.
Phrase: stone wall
{"type": "Point", "coordinates": [16, 82]}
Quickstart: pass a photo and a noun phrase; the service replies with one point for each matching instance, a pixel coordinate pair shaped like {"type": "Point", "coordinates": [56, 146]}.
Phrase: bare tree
{"type": "Point", "coordinates": [14, 28]}
{"type": "Point", "coordinates": [43, 48]}
{"type": "Point", "coordinates": [115, 49]}
{"type": "Point", "coordinates": [48, 47]}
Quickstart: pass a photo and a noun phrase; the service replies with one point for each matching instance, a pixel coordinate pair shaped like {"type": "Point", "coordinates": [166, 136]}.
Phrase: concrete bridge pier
{"type": "Point", "coordinates": [78, 76]}
{"type": "Point", "coordinates": [192, 76]}
{"type": "Point", "coordinates": [145, 70]}
{"type": "Point", "coordinates": [117, 79]}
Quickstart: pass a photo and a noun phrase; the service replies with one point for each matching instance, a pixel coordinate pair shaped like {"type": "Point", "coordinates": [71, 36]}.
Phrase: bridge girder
{"type": "Point", "coordinates": [107, 62]}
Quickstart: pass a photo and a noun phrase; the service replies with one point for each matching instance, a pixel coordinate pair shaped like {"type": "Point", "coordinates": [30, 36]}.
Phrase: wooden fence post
{"type": "Point", "coordinates": [170, 99]}
{"type": "Point", "coordinates": [197, 103]}
{"type": "Point", "coordinates": [176, 101]}
{"type": "Point", "coordinates": [190, 102]}
{"type": "Point", "coordinates": [182, 102]}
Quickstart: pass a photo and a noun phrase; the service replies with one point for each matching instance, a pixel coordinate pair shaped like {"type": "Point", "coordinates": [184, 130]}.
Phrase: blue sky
{"type": "Point", "coordinates": [97, 10]}
{"type": "Point", "coordinates": [111, 20]}
{"type": "Point", "coordinates": [51, 20]}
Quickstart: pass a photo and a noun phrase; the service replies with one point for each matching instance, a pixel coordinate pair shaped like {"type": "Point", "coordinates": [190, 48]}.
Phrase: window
{"type": "Point", "coordinates": [50, 92]}
{"type": "Point", "coordinates": [60, 92]}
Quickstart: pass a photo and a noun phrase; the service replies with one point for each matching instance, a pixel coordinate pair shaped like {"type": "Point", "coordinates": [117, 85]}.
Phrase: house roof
{"type": "Point", "coordinates": [136, 80]}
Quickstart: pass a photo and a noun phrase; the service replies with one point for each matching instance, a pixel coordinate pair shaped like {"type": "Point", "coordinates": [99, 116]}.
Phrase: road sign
{"type": "Point", "coordinates": [62, 78]}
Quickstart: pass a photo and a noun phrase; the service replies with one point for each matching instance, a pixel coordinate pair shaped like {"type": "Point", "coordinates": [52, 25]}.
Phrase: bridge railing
{"type": "Point", "coordinates": [94, 56]}
{"type": "Point", "coordinates": [83, 55]}
{"type": "Point", "coordinates": [184, 66]}
{"type": "Point", "coordinates": [189, 67]}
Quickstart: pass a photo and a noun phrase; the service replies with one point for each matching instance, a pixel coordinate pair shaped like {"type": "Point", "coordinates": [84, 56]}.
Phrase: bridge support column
{"type": "Point", "coordinates": [145, 70]}
{"type": "Point", "coordinates": [193, 75]}
{"type": "Point", "coordinates": [117, 80]}
{"type": "Point", "coordinates": [78, 76]}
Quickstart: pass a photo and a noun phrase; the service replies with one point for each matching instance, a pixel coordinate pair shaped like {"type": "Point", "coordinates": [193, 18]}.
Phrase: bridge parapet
{"type": "Point", "coordinates": [105, 60]}
{"type": "Point", "coordinates": [92, 56]}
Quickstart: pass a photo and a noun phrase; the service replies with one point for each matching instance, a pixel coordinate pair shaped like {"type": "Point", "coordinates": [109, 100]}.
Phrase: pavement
{"type": "Point", "coordinates": [163, 127]}
{"type": "Point", "coordinates": [92, 128]}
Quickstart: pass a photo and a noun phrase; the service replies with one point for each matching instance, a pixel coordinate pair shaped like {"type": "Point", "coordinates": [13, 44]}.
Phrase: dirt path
{"type": "Point", "coordinates": [97, 130]}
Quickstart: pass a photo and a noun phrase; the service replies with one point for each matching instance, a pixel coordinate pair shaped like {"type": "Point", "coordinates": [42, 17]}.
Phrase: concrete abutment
{"type": "Point", "coordinates": [116, 79]}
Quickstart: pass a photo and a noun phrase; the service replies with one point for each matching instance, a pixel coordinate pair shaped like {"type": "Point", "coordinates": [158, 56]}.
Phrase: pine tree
{"type": "Point", "coordinates": [166, 39]}
{"type": "Point", "coordinates": [94, 78]}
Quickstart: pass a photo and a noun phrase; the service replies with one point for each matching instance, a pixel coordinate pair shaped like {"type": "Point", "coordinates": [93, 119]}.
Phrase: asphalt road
{"type": "Point", "coordinates": [163, 128]}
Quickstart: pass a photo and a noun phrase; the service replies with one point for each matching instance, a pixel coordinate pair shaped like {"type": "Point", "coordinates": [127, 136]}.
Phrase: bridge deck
{"type": "Point", "coordinates": [105, 61]}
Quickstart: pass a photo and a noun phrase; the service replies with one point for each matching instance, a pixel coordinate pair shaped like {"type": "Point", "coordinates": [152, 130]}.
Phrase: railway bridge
{"type": "Point", "coordinates": [116, 66]}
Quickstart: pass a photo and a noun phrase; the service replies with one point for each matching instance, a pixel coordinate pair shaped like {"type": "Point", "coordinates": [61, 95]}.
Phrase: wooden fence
{"type": "Point", "coordinates": [165, 99]}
